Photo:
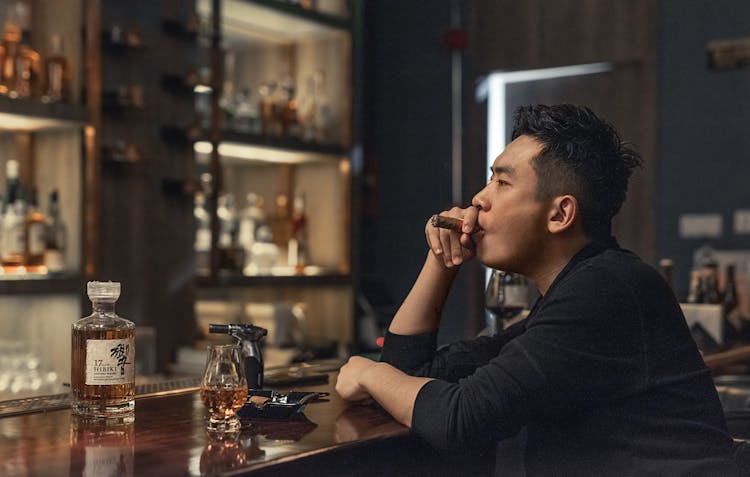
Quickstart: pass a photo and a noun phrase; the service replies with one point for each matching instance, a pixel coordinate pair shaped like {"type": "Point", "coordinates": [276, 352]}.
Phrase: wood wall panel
{"type": "Point", "coordinates": [512, 35]}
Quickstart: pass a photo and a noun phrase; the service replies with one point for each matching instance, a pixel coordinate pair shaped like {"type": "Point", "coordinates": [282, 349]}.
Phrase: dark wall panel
{"type": "Point", "coordinates": [704, 141]}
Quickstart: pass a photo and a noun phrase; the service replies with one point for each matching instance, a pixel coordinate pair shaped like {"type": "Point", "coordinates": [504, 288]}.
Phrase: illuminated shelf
{"type": "Point", "coordinates": [236, 147]}
{"type": "Point", "coordinates": [272, 21]}
{"type": "Point", "coordinates": [34, 115]}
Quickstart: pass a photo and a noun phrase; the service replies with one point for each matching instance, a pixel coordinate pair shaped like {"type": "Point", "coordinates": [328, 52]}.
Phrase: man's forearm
{"type": "Point", "coordinates": [420, 311]}
{"type": "Point", "coordinates": [393, 389]}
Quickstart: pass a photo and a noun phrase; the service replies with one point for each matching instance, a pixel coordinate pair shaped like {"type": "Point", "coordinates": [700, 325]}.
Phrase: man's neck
{"type": "Point", "coordinates": [557, 257]}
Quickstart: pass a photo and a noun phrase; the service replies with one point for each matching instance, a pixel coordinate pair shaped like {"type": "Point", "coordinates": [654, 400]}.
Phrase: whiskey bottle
{"type": "Point", "coordinates": [34, 238]}
{"type": "Point", "coordinates": [12, 223]}
{"type": "Point", "coordinates": [27, 61]}
{"type": "Point", "coordinates": [102, 375]}
{"type": "Point", "coordinates": [11, 45]}
{"type": "Point", "coordinates": [297, 251]}
{"type": "Point", "coordinates": [54, 237]}
{"type": "Point", "coordinates": [56, 74]}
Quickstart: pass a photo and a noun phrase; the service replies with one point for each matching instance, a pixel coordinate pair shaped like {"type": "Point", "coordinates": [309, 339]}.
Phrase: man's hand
{"type": "Point", "coordinates": [349, 384]}
{"type": "Point", "coordinates": [451, 247]}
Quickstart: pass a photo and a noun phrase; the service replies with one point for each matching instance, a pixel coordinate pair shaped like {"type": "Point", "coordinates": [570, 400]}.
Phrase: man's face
{"type": "Point", "coordinates": [514, 222]}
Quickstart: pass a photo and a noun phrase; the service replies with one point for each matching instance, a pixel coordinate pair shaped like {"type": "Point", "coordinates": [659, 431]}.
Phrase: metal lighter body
{"type": "Point", "coordinates": [249, 337]}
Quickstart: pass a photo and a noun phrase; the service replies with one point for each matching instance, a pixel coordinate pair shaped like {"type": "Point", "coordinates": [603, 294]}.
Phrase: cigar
{"type": "Point", "coordinates": [443, 222]}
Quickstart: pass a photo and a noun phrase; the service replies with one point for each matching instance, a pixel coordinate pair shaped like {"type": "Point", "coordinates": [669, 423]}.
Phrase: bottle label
{"type": "Point", "coordinates": [110, 362]}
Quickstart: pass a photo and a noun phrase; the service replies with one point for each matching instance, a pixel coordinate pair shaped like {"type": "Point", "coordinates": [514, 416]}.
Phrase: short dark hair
{"type": "Point", "coordinates": [581, 155]}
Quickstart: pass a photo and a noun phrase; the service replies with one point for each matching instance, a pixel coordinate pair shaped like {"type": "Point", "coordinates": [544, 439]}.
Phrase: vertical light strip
{"type": "Point", "coordinates": [493, 89]}
{"type": "Point", "coordinates": [496, 101]}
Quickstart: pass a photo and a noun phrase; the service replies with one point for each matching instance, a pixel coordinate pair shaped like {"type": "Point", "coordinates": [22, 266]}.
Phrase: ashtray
{"type": "Point", "coordinates": [268, 404]}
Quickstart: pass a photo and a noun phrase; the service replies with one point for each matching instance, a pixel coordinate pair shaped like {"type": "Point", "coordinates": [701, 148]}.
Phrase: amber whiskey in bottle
{"type": "Point", "coordinates": [34, 227]}
{"type": "Point", "coordinates": [102, 373]}
{"type": "Point", "coordinates": [56, 73]}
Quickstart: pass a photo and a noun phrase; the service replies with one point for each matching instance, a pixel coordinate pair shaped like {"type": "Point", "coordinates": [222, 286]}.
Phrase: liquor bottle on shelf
{"type": "Point", "coordinates": [322, 118]}
{"type": "Point", "coordinates": [188, 133]}
{"type": "Point", "coordinates": [103, 358]}
{"type": "Point", "coordinates": [265, 253]}
{"type": "Point", "coordinates": [306, 111]}
{"type": "Point", "coordinates": [202, 244]}
{"type": "Point", "coordinates": [267, 93]}
{"type": "Point", "coordinates": [181, 84]}
{"type": "Point", "coordinates": [246, 115]}
{"type": "Point", "coordinates": [298, 252]}
{"type": "Point", "coordinates": [34, 226]}
{"type": "Point", "coordinates": [731, 321]}
{"type": "Point", "coordinates": [12, 223]}
{"type": "Point", "coordinates": [227, 100]}
{"type": "Point", "coordinates": [27, 61]}
{"type": "Point", "coordinates": [55, 236]}
{"type": "Point", "coordinates": [228, 226]}
{"type": "Point", "coordinates": [11, 46]}
{"type": "Point", "coordinates": [56, 73]}
{"type": "Point", "coordinates": [251, 219]}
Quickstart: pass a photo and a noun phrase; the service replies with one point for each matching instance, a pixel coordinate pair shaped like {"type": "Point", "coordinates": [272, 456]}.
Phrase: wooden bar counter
{"type": "Point", "coordinates": [169, 438]}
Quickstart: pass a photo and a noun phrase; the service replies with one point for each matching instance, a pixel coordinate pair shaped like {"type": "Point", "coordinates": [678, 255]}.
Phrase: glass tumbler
{"type": "Point", "coordinates": [224, 387]}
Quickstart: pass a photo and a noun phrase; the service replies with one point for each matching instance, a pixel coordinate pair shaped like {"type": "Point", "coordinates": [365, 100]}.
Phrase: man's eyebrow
{"type": "Point", "coordinates": [497, 170]}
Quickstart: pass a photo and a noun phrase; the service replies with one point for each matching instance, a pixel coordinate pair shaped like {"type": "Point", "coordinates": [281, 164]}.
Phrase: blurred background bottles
{"type": "Point", "coordinates": [298, 245]}
{"type": "Point", "coordinates": [30, 242]}
{"type": "Point", "coordinates": [12, 224]}
{"type": "Point", "coordinates": [23, 74]}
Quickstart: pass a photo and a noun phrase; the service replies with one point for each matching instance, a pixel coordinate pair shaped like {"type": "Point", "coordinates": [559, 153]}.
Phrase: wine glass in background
{"type": "Point", "coordinates": [506, 296]}
{"type": "Point", "coordinates": [224, 387]}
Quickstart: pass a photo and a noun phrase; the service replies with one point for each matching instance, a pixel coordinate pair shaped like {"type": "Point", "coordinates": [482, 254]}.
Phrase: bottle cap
{"type": "Point", "coordinates": [103, 290]}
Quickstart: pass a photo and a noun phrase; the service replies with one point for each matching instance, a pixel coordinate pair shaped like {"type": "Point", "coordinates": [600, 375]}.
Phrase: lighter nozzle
{"type": "Point", "coordinates": [218, 329]}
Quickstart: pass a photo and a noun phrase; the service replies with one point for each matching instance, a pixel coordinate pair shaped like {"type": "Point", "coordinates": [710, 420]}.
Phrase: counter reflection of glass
{"type": "Point", "coordinates": [224, 387]}
{"type": "Point", "coordinates": [223, 453]}
{"type": "Point", "coordinates": [506, 296]}
{"type": "Point", "coordinates": [101, 447]}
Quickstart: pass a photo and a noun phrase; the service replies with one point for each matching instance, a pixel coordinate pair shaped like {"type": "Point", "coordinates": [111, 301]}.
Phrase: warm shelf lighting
{"type": "Point", "coordinates": [246, 152]}
{"type": "Point", "coordinates": [17, 122]}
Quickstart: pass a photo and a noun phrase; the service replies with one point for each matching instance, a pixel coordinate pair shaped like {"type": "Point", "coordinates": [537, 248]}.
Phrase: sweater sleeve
{"type": "Point", "coordinates": [578, 350]}
{"type": "Point", "coordinates": [418, 355]}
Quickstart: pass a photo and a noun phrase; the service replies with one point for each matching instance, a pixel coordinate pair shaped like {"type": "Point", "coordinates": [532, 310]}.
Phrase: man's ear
{"type": "Point", "coordinates": [563, 213]}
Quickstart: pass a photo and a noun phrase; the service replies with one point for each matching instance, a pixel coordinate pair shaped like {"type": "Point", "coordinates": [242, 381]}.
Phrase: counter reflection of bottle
{"type": "Point", "coordinates": [102, 375]}
{"type": "Point", "coordinates": [298, 251]}
{"type": "Point", "coordinates": [55, 236]}
{"type": "Point", "coordinates": [101, 447]}
{"type": "Point", "coordinates": [12, 223]}
{"type": "Point", "coordinates": [56, 73]}
{"type": "Point", "coordinates": [34, 226]}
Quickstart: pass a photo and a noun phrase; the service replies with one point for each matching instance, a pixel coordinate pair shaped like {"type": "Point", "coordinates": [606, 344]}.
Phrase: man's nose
{"type": "Point", "coordinates": [478, 201]}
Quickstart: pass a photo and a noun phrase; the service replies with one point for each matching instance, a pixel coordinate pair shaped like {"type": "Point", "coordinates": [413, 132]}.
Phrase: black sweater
{"type": "Point", "coordinates": [603, 374]}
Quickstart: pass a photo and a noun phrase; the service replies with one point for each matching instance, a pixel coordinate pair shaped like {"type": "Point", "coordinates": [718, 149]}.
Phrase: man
{"type": "Point", "coordinates": [603, 376]}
